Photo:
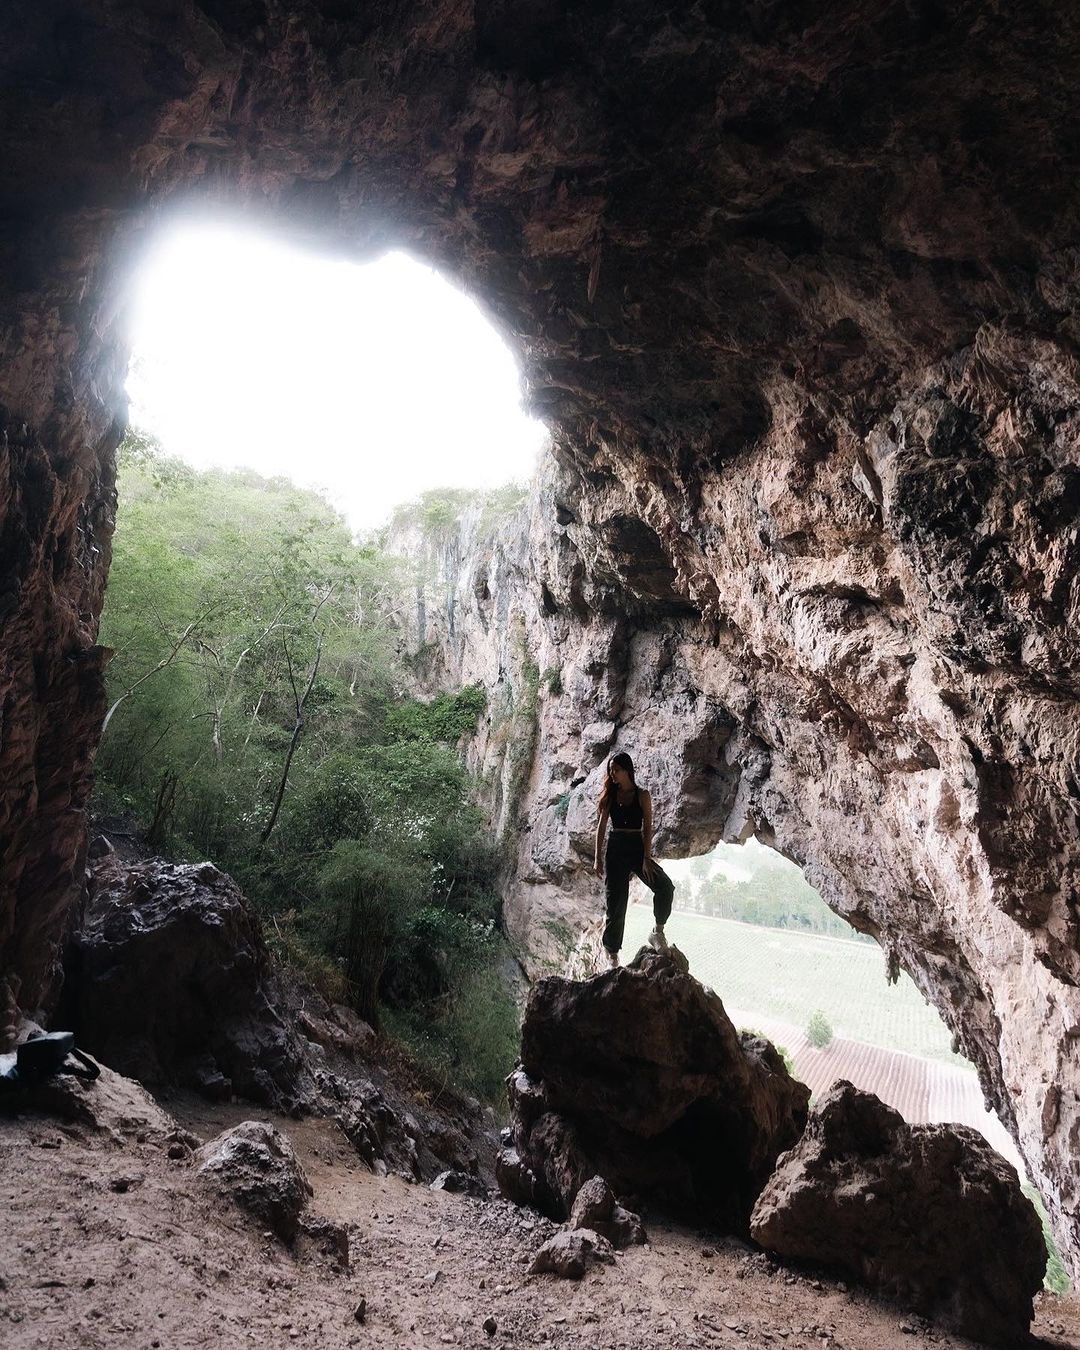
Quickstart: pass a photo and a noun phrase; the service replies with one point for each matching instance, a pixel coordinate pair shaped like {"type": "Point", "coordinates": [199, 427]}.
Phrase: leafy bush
{"type": "Point", "coordinates": [468, 1029]}
{"type": "Point", "coordinates": [819, 1030]}
{"type": "Point", "coordinates": [552, 680]}
{"type": "Point", "coordinates": [1056, 1279]}
{"type": "Point", "coordinates": [364, 902]}
{"type": "Point", "coordinates": [446, 718]}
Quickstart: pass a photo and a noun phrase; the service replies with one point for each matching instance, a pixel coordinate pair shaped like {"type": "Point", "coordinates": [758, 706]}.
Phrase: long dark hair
{"type": "Point", "coordinates": [619, 761]}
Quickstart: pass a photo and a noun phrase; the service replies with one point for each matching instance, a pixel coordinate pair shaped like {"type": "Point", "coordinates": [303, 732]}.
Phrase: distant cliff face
{"type": "Point", "coordinates": [573, 668]}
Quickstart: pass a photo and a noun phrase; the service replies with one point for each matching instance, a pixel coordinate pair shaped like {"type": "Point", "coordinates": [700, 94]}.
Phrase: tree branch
{"type": "Point", "coordinates": [161, 665]}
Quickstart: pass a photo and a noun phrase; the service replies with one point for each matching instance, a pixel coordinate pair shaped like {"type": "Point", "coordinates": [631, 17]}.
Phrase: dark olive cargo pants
{"type": "Point", "coordinates": [624, 858]}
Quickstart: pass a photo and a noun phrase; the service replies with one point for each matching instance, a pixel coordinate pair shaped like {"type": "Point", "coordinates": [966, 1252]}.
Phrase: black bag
{"type": "Point", "coordinates": [46, 1055]}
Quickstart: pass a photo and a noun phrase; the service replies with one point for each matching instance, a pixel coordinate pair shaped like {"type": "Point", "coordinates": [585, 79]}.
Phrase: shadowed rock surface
{"type": "Point", "coordinates": [797, 289]}
{"type": "Point", "coordinates": [638, 1076]}
{"type": "Point", "coordinates": [255, 1164]}
{"type": "Point", "coordinates": [927, 1214]}
{"type": "Point", "coordinates": [168, 981]}
{"type": "Point", "coordinates": [460, 1183]}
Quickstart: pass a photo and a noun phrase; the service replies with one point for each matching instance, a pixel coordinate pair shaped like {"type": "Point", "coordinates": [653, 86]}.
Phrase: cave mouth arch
{"type": "Point", "coordinates": [824, 223]}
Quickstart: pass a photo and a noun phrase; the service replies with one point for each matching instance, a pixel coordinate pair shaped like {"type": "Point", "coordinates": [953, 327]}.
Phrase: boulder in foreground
{"type": "Point", "coordinates": [571, 1253]}
{"type": "Point", "coordinates": [595, 1208]}
{"type": "Point", "coordinates": [167, 979]}
{"type": "Point", "coordinates": [638, 1076]}
{"type": "Point", "coordinates": [927, 1214]}
{"type": "Point", "coordinates": [255, 1164]}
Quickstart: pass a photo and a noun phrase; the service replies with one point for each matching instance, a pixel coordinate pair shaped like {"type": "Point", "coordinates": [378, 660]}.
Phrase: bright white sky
{"type": "Point", "coordinates": [374, 382]}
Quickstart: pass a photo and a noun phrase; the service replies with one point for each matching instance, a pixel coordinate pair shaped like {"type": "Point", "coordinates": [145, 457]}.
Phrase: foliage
{"type": "Point", "coordinates": [364, 902]}
{"type": "Point", "coordinates": [756, 885]}
{"type": "Point", "coordinates": [552, 680]}
{"type": "Point", "coordinates": [472, 1037]}
{"type": "Point", "coordinates": [446, 718]}
{"type": "Point", "coordinates": [440, 512]}
{"type": "Point", "coordinates": [522, 729]}
{"type": "Point", "coordinates": [819, 1030]}
{"type": "Point", "coordinates": [1056, 1280]}
{"type": "Point", "coordinates": [254, 718]}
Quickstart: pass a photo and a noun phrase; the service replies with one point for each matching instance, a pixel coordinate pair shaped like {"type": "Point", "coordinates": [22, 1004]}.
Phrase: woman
{"type": "Point", "coordinates": [629, 852]}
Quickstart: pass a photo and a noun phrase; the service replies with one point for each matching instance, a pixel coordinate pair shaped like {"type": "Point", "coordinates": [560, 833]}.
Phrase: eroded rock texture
{"type": "Point", "coordinates": [796, 287]}
{"type": "Point", "coordinates": [254, 1163]}
{"type": "Point", "coordinates": [638, 1077]}
{"type": "Point", "coordinates": [928, 1214]}
{"type": "Point", "coordinates": [169, 981]}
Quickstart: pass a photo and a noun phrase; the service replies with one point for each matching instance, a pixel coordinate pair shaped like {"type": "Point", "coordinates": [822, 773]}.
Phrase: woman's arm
{"type": "Point", "coordinates": [601, 830]}
{"type": "Point", "coordinates": [646, 825]}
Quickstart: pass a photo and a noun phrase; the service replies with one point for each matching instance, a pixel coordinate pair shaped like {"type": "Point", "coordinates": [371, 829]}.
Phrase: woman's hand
{"type": "Point", "coordinates": [647, 866]}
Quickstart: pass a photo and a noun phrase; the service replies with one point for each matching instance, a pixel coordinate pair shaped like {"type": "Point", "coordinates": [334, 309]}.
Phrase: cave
{"type": "Point", "coordinates": [796, 289]}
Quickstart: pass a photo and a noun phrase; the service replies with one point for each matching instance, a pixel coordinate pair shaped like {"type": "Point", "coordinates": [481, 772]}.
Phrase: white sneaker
{"type": "Point", "coordinates": [613, 958]}
{"type": "Point", "coordinates": [657, 940]}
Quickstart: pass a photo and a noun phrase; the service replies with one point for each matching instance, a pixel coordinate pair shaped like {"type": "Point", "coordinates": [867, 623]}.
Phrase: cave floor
{"type": "Point", "coordinates": [111, 1243]}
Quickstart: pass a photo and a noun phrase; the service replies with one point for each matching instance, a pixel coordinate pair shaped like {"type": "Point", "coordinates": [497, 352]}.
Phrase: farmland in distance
{"type": "Point", "coordinates": [784, 976]}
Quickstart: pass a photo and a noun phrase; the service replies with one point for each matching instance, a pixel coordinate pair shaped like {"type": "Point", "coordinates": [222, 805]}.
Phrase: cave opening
{"type": "Point", "coordinates": [310, 438]}
{"type": "Point", "coordinates": [372, 381]}
{"type": "Point", "coordinates": [784, 963]}
{"type": "Point", "coordinates": [789, 967]}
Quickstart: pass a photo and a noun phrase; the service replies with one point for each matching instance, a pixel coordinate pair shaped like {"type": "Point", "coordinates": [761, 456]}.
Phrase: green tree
{"type": "Point", "coordinates": [255, 718]}
{"type": "Point", "coordinates": [365, 899]}
{"type": "Point", "coordinates": [819, 1030]}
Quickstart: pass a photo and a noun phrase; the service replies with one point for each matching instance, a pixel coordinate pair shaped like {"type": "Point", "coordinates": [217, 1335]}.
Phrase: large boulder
{"type": "Point", "coordinates": [639, 1076]}
{"type": "Point", "coordinates": [927, 1214]}
{"type": "Point", "coordinates": [167, 979]}
{"type": "Point", "coordinates": [255, 1164]}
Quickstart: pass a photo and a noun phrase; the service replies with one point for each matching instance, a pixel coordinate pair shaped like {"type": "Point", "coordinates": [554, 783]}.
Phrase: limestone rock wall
{"type": "Point", "coordinates": [796, 287]}
{"type": "Point", "coordinates": [810, 659]}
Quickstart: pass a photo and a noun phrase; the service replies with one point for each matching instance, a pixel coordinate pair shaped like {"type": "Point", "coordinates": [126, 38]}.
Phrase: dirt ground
{"type": "Point", "coordinates": [107, 1242]}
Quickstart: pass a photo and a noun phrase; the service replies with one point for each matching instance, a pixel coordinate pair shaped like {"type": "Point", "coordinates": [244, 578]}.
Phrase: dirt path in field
{"type": "Point", "coordinates": [112, 1244]}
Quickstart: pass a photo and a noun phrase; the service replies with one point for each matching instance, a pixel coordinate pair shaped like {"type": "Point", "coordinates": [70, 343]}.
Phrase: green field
{"type": "Point", "coordinates": [785, 975]}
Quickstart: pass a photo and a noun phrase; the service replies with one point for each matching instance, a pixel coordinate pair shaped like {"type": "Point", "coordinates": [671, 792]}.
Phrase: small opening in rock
{"type": "Point", "coordinates": [786, 965]}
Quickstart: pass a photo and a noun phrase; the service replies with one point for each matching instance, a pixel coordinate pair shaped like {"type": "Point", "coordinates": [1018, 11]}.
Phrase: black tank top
{"type": "Point", "coordinates": [630, 817]}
